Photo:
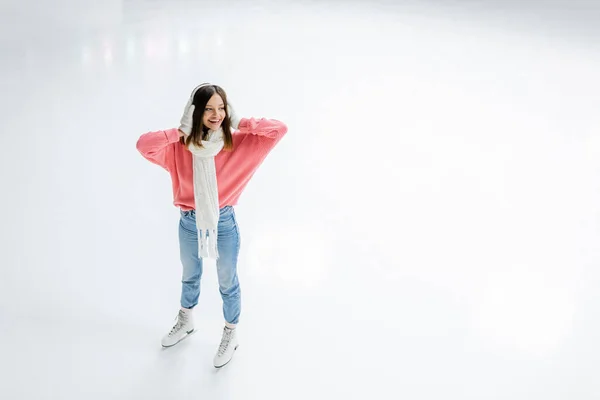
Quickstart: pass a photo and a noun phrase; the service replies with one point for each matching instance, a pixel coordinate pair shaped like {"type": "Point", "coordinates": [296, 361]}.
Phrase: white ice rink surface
{"type": "Point", "coordinates": [428, 229]}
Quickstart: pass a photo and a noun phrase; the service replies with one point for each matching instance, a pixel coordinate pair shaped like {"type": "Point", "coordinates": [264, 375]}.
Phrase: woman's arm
{"type": "Point", "coordinates": [155, 146]}
{"type": "Point", "coordinates": [270, 128]}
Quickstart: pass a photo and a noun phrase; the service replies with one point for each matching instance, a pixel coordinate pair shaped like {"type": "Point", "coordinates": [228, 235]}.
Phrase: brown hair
{"type": "Point", "coordinates": [199, 131]}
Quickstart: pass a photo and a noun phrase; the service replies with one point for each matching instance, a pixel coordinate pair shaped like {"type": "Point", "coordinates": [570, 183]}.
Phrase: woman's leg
{"type": "Point", "coordinates": [192, 265]}
{"type": "Point", "coordinates": [229, 247]}
{"type": "Point", "coordinates": [190, 281]}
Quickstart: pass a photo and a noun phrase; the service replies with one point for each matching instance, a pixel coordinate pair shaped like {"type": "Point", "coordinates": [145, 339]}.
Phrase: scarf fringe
{"type": "Point", "coordinates": [207, 244]}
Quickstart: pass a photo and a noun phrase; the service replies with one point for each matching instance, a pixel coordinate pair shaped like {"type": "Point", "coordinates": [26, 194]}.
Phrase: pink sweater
{"type": "Point", "coordinates": [251, 145]}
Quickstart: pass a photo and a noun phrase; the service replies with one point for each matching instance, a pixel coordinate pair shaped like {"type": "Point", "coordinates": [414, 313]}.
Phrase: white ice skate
{"type": "Point", "coordinates": [227, 348]}
{"type": "Point", "coordinates": [182, 328]}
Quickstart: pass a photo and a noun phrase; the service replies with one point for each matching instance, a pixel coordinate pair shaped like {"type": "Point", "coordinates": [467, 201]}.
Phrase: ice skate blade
{"type": "Point", "coordinates": [179, 341]}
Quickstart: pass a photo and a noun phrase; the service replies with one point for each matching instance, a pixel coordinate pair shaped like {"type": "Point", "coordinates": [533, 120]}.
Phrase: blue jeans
{"type": "Point", "coordinates": [228, 243]}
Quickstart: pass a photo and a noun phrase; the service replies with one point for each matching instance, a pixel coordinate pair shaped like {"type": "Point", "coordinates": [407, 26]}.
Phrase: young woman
{"type": "Point", "coordinates": [210, 158]}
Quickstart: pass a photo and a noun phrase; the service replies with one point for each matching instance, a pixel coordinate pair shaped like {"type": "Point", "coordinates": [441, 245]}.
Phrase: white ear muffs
{"type": "Point", "coordinates": [196, 89]}
{"type": "Point", "coordinates": [187, 119]}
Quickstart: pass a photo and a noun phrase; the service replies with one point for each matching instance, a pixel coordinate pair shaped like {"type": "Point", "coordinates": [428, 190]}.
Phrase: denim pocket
{"type": "Point", "coordinates": [227, 223]}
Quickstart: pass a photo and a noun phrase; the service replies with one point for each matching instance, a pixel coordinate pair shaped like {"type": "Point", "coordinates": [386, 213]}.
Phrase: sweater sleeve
{"type": "Point", "coordinates": [155, 146]}
{"type": "Point", "coordinates": [269, 128]}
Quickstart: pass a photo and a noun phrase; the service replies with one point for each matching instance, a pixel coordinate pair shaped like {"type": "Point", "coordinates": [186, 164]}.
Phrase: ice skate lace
{"type": "Point", "coordinates": [225, 341]}
{"type": "Point", "coordinates": [181, 321]}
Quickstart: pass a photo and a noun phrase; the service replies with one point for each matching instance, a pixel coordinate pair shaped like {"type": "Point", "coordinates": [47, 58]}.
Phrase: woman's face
{"type": "Point", "coordinates": [214, 113]}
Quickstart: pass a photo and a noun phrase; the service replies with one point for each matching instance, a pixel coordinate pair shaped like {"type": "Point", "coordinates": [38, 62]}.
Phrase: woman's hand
{"type": "Point", "coordinates": [235, 120]}
{"type": "Point", "coordinates": [187, 119]}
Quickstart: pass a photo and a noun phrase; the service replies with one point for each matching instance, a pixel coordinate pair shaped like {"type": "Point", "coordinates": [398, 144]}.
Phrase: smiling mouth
{"type": "Point", "coordinates": [214, 122]}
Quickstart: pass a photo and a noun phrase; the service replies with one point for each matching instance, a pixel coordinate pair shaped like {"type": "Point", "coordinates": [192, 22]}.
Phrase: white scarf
{"type": "Point", "coordinates": [206, 193]}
